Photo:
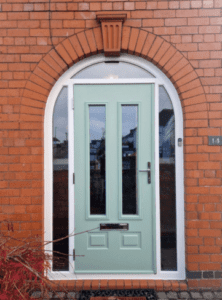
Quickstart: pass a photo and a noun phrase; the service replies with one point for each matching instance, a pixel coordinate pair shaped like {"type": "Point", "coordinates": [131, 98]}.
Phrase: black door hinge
{"type": "Point", "coordinates": [73, 178]}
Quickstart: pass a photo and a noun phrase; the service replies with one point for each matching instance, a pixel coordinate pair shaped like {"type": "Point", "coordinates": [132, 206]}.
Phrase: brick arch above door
{"type": "Point", "coordinates": [134, 41]}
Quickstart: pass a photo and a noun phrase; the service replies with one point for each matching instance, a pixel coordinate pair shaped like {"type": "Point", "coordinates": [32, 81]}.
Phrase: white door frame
{"type": "Point", "coordinates": [160, 79]}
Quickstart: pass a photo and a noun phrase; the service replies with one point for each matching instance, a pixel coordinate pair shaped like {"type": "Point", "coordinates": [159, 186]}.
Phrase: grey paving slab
{"type": "Point", "coordinates": [208, 295]}
{"type": "Point", "coordinates": [59, 295]}
{"type": "Point", "coordinates": [196, 295]}
{"type": "Point", "coordinates": [184, 295]}
{"type": "Point", "coordinates": [36, 294]}
{"type": "Point", "coordinates": [172, 295]}
{"type": "Point", "coordinates": [218, 295]}
{"type": "Point", "coordinates": [48, 295]}
{"type": "Point", "coordinates": [161, 295]}
{"type": "Point", "coordinates": [71, 295]}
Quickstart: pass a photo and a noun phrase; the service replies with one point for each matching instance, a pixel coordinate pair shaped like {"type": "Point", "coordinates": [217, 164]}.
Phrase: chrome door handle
{"type": "Point", "coordinates": [148, 170]}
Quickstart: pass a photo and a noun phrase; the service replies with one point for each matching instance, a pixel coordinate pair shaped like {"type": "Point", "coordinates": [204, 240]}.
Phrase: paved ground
{"type": "Point", "coordinates": [198, 295]}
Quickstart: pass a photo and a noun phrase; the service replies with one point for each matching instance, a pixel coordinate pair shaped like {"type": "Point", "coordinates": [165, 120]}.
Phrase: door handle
{"type": "Point", "coordinates": [148, 170]}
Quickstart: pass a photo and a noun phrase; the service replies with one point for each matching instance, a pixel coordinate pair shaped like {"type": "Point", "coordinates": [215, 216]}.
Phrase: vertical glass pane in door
{"type": "Point", "coordinates": [167, 182]}
{"type": "Point", "coordinates": [129, 159]}
{"type": "Point", "coordinates": [97, 125]}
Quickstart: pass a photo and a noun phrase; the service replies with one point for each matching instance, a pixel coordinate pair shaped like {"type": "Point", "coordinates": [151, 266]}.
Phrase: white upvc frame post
{"type": "Point", "coordinates": [160, 79]}
{"type": "Point", "coordinates": [71, 168]}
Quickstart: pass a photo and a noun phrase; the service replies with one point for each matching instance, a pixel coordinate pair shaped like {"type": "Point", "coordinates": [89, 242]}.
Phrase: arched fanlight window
{"type": "Point", "coordinates": [168, 165]}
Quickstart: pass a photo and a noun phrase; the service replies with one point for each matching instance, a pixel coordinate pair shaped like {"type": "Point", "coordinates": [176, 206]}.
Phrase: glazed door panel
{"type": "Point", "coordinates": [114, 191]}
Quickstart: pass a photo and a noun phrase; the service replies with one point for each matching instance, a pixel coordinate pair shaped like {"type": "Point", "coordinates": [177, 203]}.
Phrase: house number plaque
{"type": "Point", "coordinates": [215, 140]}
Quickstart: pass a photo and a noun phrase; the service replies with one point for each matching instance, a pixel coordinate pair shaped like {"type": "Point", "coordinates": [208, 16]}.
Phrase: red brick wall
{"type": "Point", "coordinates": [39, 41]}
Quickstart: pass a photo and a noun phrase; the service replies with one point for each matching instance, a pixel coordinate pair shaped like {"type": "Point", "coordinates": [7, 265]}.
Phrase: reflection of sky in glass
{"type": "Point", "coordinates": [164, 102]}
{"type": "Point", "coordinates": [117, 70]}
{"type": "Point", "coordinates": [60, 116]}
{"type": "Point", "coordinates": [97, 120]}
{"type": "Point", "coordinates": [129, 118]}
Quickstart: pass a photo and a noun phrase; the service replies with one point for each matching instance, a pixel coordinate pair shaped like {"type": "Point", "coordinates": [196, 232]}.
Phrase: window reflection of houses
{"type": "Point", "coordinates": [129, 171]}
{"type": "Point", "coordinates": [166, 136]}
{"type": "Point", "coordinates": [167, 188]}
{"type": "Point", "coordinates": [97, 176]}
{"type": "Point", "coordinates": [60, 155]}
{"type": "Point", "coordinates": [96, 147]}
{"type": "Point", "coordinates": [129, 149]}
{"type": "Point", "coordinates": [169, 140]}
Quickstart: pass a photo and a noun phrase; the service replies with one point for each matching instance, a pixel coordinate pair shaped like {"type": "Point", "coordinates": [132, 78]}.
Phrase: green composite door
{"type": "Point", "coordinates": [114, 190]}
